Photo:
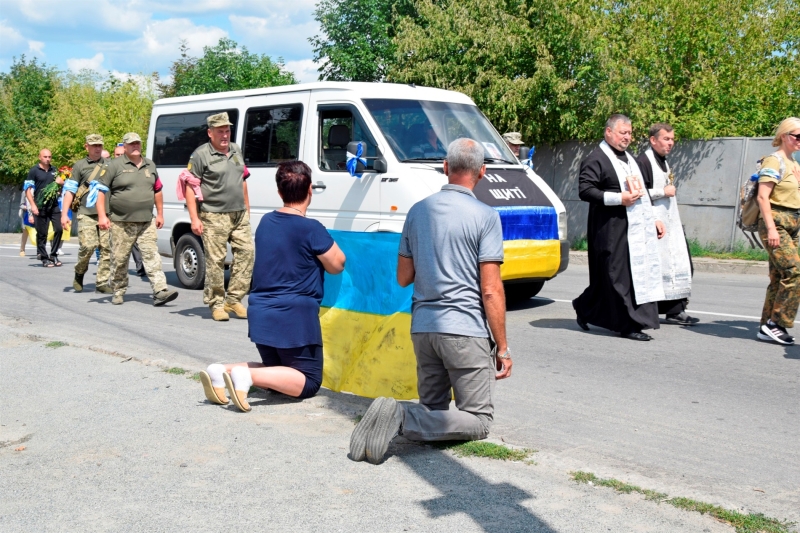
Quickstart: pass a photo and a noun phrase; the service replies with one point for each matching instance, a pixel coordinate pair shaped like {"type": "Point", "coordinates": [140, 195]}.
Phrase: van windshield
{"type": "Point", "coordinates": [419, 130]}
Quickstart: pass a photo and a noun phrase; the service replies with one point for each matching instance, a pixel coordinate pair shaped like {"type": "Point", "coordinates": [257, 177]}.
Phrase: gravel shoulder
{"type": "Point", "coordinates": [117, 444]}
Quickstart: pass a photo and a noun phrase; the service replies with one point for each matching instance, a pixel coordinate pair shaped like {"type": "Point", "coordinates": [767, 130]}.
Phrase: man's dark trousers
{"type": "Point", "coordinates": [42, 223]}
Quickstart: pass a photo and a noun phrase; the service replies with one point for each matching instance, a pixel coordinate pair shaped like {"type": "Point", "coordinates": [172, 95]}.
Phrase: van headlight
{"type": "Point", "coordinates": [562, 226]}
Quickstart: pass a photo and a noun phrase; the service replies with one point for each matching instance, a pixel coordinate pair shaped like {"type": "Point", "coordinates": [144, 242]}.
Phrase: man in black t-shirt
{"type": "Point", "coordinates": [45, 210]}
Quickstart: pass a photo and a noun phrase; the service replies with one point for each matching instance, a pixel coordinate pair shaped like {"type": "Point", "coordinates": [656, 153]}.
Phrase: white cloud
{"type": "Point", "coordinates": [305, 70]}
{"type": "Point", "coordinates": [36, 47]}
{"type": "Point", "coordinates": [83, 14]}
{"type": "Point", "coordinates": [11, 37]}
{"type": "Point", "coordinates": [164, 37]}
{"type": "Point", "coordinates": [92, 63]}
{"type": "Point", "coordinates": [277, 35]}
{"type": "Point", "coordinates": [159, 45]}
{"type": "Point", "coordinates": [13, 42]}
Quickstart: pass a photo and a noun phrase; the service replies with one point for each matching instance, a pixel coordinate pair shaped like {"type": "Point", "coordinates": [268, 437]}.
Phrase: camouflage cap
{"type": "Point", "coordinates": [131, 137]}
{"type": "Point", "coordinates": [513, 137]}
{"type": "Point", "coordinates": [94, 138]}
{"type": "Point", "coordinates": [220, 119]}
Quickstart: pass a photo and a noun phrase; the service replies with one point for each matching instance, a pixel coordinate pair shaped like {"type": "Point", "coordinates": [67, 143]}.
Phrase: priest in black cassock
{"type": "Point", "coordinates": [676, 261]}
{"type": "Point", "coordinates": [622, 234]}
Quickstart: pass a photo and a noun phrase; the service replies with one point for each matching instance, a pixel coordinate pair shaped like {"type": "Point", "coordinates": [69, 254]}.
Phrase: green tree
{"type": "Point", "coordinates": [26, 96]}
{"type": "Point", "coordinates": [224, 67]}
{"type": "Point", "coordinates": [85, 103]}
{"type": "Point", "coordinates": [356, 39]}
{"type": "Point", "coordinates": [555, 69]}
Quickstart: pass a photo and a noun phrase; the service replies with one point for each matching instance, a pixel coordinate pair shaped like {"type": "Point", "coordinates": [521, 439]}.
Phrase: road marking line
{"type": "Point", "coordinates": [693, 311]}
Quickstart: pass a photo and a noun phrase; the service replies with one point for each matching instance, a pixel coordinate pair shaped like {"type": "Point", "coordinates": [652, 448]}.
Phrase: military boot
{"type": "Point", "coordinates": [238, 310]}
{"type": "Point", "coordinates": [105, 289]}
{"type": "Point", "coordinates": [77, 283]}
{"type": "Point", "coordinates": [219, 314]}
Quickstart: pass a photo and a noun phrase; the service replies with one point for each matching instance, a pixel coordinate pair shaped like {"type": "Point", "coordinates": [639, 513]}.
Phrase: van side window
{"type": "Point", "coordinates": [272, 135]}
{"type": "Point", "coordinates": [339, 125]}
{"type": "Point", "coordinates": [178, 136]}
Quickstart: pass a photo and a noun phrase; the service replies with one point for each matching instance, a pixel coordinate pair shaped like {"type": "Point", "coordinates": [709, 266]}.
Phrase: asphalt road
{"type": "Point", "coordinates": [707, 412]}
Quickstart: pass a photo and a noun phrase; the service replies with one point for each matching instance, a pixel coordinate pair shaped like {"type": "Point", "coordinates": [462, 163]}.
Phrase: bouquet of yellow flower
{"type": "Point", "coordinates": [65, 172]}
{"type": "Point", "coordinates": [50, 192]}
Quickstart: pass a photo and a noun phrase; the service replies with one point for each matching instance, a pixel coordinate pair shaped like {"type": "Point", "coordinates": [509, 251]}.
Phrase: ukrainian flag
{"type": "Point", "coordinates": [366, 321]}
{"type": "Point", "coordinates": [530, 242]}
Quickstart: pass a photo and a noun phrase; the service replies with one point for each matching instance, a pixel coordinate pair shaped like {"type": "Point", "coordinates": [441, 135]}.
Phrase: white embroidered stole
{"type": "Point", "coordinates": [643, 249]}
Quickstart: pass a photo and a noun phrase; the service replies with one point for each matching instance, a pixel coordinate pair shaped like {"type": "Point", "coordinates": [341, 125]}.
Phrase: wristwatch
{"type": "Point", "coordinates": [506, 354]}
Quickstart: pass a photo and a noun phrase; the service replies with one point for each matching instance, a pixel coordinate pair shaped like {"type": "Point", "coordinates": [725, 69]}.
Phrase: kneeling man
{"type": "Point", "coordinates": [451, 249]}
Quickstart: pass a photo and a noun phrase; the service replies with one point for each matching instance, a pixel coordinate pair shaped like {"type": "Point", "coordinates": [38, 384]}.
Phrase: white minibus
{"type": "Point", "coordinates": [404, 132]}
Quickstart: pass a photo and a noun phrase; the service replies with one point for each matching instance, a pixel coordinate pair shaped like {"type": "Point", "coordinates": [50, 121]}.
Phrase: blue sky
{"type": "Point", "coordinates": [143, 36]}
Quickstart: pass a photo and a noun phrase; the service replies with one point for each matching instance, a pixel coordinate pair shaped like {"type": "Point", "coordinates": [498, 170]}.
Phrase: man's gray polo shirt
{"type": "Point", "coordinates": [447, 235]}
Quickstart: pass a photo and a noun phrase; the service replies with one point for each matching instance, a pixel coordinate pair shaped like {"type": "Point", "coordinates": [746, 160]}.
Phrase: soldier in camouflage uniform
{"type": "Point", "coordinates": [778, 226]}
{"type": "Point", "coordinates": [133, 187]}
{"type": "Point", "coordinates": [222, 217]}
{"type": "Point", "coordinates": [90, 236]}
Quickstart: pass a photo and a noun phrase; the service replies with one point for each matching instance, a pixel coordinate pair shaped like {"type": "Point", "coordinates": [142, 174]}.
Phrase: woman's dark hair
{"type": "Point", "coordinates": [293, 179]}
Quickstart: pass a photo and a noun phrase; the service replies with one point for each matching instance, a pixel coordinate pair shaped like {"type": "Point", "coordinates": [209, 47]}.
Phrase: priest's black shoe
{"type": "Point", "coordinates": [637, 336]}
{"type": "Point", "coordinates": [682, 319]}
{"type": "Point", "coordinates": [583, 325]}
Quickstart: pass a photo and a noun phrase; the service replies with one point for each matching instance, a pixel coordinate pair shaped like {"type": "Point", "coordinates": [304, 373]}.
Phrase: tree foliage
{"type": "Point", "coordinates": [356, 43]}
{"type": "Point", "coordinates": [42, 108]}
{"type": "Point", "coordinates": [224, 67]}
{"type": "Point", "coordinates": [555, 69]}
{"type": "Point", "coordinates": [26, 96]}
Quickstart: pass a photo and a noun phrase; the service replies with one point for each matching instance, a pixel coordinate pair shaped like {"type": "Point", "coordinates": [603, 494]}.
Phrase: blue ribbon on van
{"type": "Point", "coordinates": [354, 159]}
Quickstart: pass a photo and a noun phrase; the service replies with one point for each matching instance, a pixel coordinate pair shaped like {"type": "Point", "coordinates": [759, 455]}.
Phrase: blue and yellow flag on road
{"type": "Point", "coordinates": [366, 321]}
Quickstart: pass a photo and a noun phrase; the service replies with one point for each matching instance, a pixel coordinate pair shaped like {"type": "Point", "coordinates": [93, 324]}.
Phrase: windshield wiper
{"type": "Point", "coordinates": [497, 160]}
{"type": "Point", "coordinates": [435, 159]}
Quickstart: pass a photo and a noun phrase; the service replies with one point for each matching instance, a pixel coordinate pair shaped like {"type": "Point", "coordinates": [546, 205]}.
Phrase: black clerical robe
{"type": "Point", "coordinates": [609, 301]}
{"type": "Point", "coordinates": [665, 307]}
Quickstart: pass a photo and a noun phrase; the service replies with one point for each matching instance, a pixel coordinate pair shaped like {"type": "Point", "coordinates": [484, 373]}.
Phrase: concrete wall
{"type": "Point", "coordinates": [708, 176]}
{"type": "Point", "coordinates": [9, 208]}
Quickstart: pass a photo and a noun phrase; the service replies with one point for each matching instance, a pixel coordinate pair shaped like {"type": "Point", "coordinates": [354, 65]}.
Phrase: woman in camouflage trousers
{"type": "Point", "coordinates": [779, 226]}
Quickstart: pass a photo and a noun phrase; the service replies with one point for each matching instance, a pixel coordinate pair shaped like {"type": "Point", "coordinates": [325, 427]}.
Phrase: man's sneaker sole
{"type": "Point", "coordinates": [168, 298]}
{"type": "Point", "coordinates": [760, 336]}
{"type": "Point", "coordinates": [766, 330]}
{"type": "Point", "coordinates": [358, 440]}
{"type": "Point", "coordinates": [383, 431]}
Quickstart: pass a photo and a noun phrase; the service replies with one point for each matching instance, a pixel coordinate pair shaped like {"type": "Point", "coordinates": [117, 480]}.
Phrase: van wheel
{"type": "Point", "coordinates": [520, 292]}
{"type": "Point", "coordinates": [190, 261]}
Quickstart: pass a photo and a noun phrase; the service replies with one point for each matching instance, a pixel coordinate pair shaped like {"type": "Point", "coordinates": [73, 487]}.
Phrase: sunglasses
{"type": "Point", "coordinates": [795, 135]}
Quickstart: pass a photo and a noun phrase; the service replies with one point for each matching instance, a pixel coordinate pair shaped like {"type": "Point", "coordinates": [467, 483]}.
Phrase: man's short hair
{"type": "Point", "coordinates": [656, 128]}
{"type": "Point", "coordinates": [616, 117]}
{"type": "Point", "coordinates": [464, 155]}
{"type": "Point", "coordinates": [293, 179]}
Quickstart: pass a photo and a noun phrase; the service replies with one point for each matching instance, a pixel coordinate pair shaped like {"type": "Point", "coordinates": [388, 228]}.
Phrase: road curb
{"type": "Point", "coordinates": [701, 264]}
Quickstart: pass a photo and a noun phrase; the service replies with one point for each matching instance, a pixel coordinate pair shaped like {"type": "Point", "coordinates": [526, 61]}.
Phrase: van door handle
{"type": "Point", "coordinates": [319, 185]}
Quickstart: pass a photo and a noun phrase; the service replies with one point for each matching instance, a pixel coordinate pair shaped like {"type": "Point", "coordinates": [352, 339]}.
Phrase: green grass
{"type": "Point", "coordinates": [358, 419]}
{"type": "Point", "coordinates": [195, 376]}
{"type": "Point", "coordinates": [176, 370]}
{"type": "Point", "coordinates": [742, 523]}
{"type": "Point", "coordinates": [55, 344]}
{"type": "Point", "coordinates": [579, 244]}
{"type": "Point", "coordinates": [740, 251]}
{"type": "Point", "coordinates": [478, 448]}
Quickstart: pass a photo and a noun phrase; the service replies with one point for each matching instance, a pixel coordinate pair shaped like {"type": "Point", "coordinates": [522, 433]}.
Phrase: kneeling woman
{"type": "Point", "coordinates": [292, 255]}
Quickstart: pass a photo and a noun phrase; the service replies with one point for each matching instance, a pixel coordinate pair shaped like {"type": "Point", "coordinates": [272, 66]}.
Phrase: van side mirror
{"type": "Point", "coordinates": [523, 152]}
{"type": "Point", "coordinates": [359, 150]}
{"type": "Point", "coordinates": [378, 162]}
